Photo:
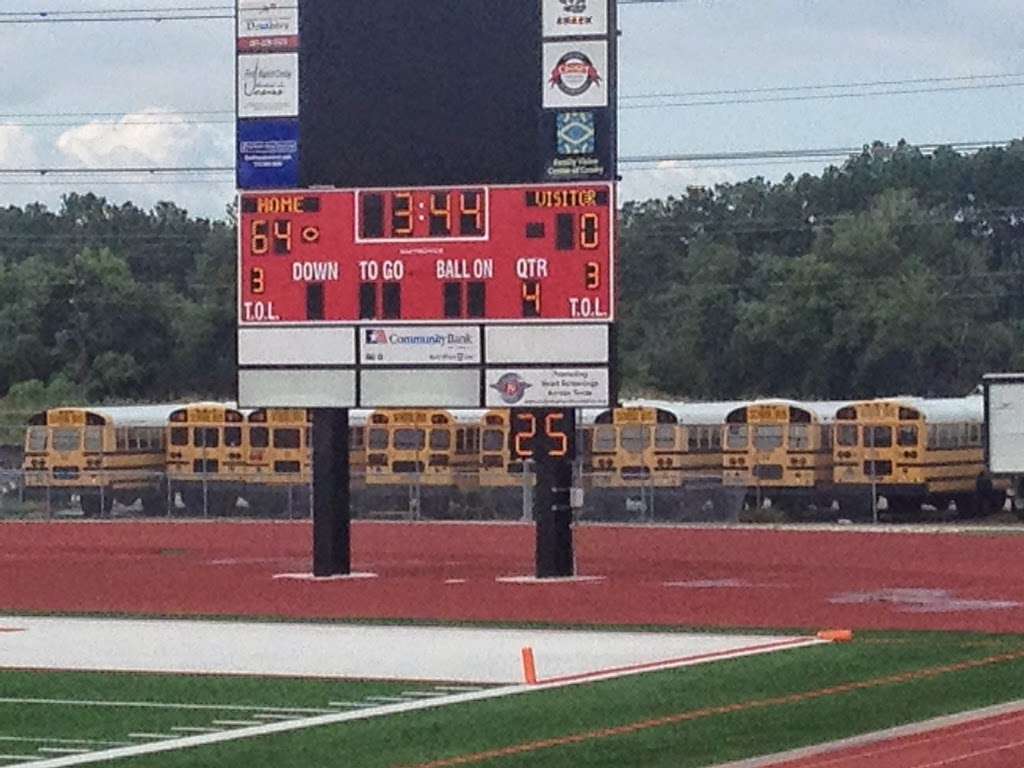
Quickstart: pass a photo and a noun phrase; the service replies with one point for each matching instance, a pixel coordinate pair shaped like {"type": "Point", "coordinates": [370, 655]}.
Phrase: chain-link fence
{"type": "Point", "coordinates": [605, 497]}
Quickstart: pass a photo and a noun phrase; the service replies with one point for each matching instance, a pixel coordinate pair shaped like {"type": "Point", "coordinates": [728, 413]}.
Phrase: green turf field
{"type": "Point", "coordinates": [687, 717]}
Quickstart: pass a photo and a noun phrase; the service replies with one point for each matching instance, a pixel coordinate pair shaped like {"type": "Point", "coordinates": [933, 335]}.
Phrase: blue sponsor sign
{"type": "Point", "coordinates": [268, 154]}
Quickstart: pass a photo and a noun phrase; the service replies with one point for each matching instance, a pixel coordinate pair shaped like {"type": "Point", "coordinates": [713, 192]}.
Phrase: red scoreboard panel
{"type": "Point", "coordinates": [527, 253]}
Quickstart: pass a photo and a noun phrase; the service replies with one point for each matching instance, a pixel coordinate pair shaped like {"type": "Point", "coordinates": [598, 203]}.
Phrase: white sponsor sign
{"type": "Point", "coordinates": [419, 344]}
{"type": "Point", "coordinates": [258, 18]}
{"type": "Point", "coordinates": [569, 18]}
{"type": "Point", "coordinates": [268, 85]}
{"type": "Point", "coordinates": [576, 74]}
{"type": "Point", "coordinates": [521, 387]}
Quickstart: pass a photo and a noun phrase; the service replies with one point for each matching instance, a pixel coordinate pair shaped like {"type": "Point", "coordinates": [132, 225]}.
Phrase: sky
{"type": "Point", "coordinates": [166, 73]}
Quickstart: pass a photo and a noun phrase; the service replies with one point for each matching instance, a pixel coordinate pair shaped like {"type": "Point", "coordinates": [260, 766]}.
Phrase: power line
{"type": "Point", "coordinates": [818, 87]}
{"type": "Point", "coordinates": [825, 96]}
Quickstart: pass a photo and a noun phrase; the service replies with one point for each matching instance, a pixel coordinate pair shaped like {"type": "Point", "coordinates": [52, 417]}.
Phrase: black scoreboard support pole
{"type": "Point", "coordinates": [548, 436]}
{"type": "Point", "coordinates": [332, 551]}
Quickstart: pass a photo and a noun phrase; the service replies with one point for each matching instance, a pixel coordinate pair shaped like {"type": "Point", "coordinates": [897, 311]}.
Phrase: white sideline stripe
{"type": "Point", "coordinates": [44, 740]}
{"type": "Point", "coordinates": [265, 729]}
{"type": "Point", "coordinates": [163, 705]}
{"type": "Point", "coordinates": [194, 729]}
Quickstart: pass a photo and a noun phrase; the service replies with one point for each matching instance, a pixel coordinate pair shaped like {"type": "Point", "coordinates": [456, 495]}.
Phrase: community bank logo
{"type": "Point", "coordinates": [376, 336]}
{"type": "Point", "coordinates": [574, 74]}
{"type": "Point", "coordinates": [512, 387]}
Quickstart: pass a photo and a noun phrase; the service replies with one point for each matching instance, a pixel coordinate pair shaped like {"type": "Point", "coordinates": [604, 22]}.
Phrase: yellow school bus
{"type": "Point", "coordinates": [912, 451]}
{"type": "Point", "coordinates": [101, 454]}
{"type": "Point", "coordinates": [206, 456]}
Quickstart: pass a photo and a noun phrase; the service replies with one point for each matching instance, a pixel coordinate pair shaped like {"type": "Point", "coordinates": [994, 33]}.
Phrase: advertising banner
{"type": "Point", "coordinates": [268, 154]}
{"type": "Point", "coordinates": [571, 18]}
{"type": "Point", "coordinates": [420, 344]}
{"type": "Point", "coordinates": [268, 85]}
{"type": "Point", "coordinates": [576, 74]}
{"type": "Point", "coordinates": [265, 27]}
{"type": "Point", "coordinates": [528, 387]}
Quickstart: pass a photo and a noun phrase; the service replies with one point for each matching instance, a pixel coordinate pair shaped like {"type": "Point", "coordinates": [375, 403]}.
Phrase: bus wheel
{"type": "Point", "coordinates": [95, 505]}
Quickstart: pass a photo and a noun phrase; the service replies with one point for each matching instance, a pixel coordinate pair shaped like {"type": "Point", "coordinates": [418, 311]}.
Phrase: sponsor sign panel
{"type": "Point", "coordinates": [268, 85]}
{"type": "Point", "coordinates": [268, 154]}
{"type": "Point", "coordinates": [528, 387]}
{"type": "Point", "coordinates": [570, 18]}
{"type": "Point", "coordinates": [580, 144]}
{"type": "Point", "coordinates": [576, 74]}
{"type": "Point", "coordinates": [419, 344]}
{"type": "Point", "coordinates": [268, 26]}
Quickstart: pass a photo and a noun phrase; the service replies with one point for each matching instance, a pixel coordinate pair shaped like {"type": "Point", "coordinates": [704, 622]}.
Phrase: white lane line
{"type": "Point", "coordinates": [153, 736]}
{"type": "Point", "coordinates": [47, 740]}
{"type": "Point", "coordinates": [194, 729]}
{"type": "Point", "coordinates": [21, 757]}
{"type": "Point", "coordinates": [237, 722]}
{"type": "Point", "coordinates": [458, 688]}
{"type": "Point", "coordinates": [164, 705]}
{"type": "Point", "coordinates": [387, 699]}
{"type": "Point", "coordinates": [266, 729]}
{"type": "Point", "coordinates": [268, 716]}
{"type": "Point", "coordinates": [423, 694]}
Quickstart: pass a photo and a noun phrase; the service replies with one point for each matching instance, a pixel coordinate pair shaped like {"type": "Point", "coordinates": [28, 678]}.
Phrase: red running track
{"type": "Point", "coordinates": [993, 742]}
{"type": "Point", "coordinates": [665, 576]}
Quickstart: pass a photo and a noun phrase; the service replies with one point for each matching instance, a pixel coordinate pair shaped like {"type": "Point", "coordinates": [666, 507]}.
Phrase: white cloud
{"type": "Point", "coordinates": [149, 137]}
{"type": "Point", "coordinates": [17, 147]}
{"type": "Point", "coordinates": [670, 178]}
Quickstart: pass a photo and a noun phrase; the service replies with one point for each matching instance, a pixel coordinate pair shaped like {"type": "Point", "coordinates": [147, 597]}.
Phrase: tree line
{"type": "Point", "coordinates": [895, 272]}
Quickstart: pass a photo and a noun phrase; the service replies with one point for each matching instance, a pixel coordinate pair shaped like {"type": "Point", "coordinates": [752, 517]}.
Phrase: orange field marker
{"type": "Point", "coordinates": [836, 635]}
{"type": "Point", "coordinates": [529, 667]}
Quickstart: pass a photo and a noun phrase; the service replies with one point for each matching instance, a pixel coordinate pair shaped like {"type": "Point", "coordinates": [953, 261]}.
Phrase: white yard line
{"type": "Point", "coordinates": [45, 740]}
{"type": "Point", "coordinates": [273, 717]}
{"type": "Point", "coordinates": [153, 735]}
{"type": "Point", "coordinates": [163, 705]}
{"type": "Point", "coordinates": [233, 723]}
{"type": "Point", "coordinates": [387, 699]}
{"type": "Point", "coordinates": [194, 729]}
{"type": "Point", "coordinates": [21, 757]}
{"type": "Point", "coordinates": [64, 750]}
{"type": "Point", "coordinates": [423, 694]}
{"type": "Point", "coordinates": [265, 729]}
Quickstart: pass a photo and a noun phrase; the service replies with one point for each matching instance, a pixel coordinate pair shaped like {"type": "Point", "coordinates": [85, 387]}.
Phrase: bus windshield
{"type": "Point", "coordinates": [65, 440]}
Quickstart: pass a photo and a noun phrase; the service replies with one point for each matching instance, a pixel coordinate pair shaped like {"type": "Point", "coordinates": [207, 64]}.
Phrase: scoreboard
{"type": "Point", "coordinates": [427, 211]}
{"type": "Point", "coordinates": [518, 253]}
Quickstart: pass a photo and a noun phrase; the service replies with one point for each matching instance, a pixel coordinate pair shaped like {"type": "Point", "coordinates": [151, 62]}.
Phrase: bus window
{"type": "Point", "coordinates": [736, 436]}
{"type": "Point", "coordinates": [493, 440]}
{"type": "Point", "coordinates": [179, 435]}
{"type": "Point", "coordinates": [409, 439]}
{"type": "Point", "coordinates": [716, 438]}
{"type": "Point", "coordinates": [877, 437]}
{"type": "Point", "coordinates": [767, 437]}
{"type": "Point", "coordinates": [440, 440]}
{"type": "Point", "coordinates": [907, 436]}
{"type": "Point", "coordinates": [287, 438]}
{"type": "Point", "coordinates": [975, 434]}
{"type": "Point", "coordinates": [259, 437]}
{"type": "Point", "coordinates": [799, 437]}
{"type": "Point", "coordinates": [604, 439]}
{"type": "Point", "coordinates": [232, 437]}
{"type": "Point", "coordinates": [65, 440]}
{"type": "Point", "coordinates": [94, 439]}
{"type": "Point", "coordinates": [378, 440]}
{"type": "Point", "coordinates": [37, 438]}
{"type": "Point", "coordinates": [846, 435]}
{"type": "Point", "coordinates": [635, 439]}
{"type": "Point", "coordinates": [205, 437]}
{"type": "Point", "coordinates": [665, 437]}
